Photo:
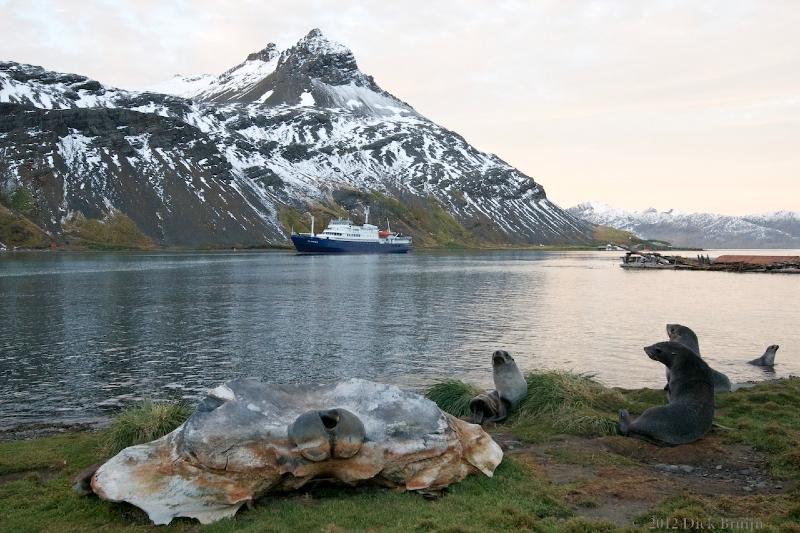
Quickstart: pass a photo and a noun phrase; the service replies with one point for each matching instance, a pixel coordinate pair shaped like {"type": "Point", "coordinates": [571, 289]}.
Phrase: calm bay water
{"type": "Point", "coordinates": [82, 334]}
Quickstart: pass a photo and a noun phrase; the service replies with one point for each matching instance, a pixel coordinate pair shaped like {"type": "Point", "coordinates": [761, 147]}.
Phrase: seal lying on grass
{"type": "Point", "coordinates": [688, 338]}
{"type": "Point", "coordinates": [248, 438]}
{"type": "Point", "coordinates": [510, 389]}
{"type": "Point", "coordinates": [768, 359]}
{"type": "Point", "coordinates": [690, 412]}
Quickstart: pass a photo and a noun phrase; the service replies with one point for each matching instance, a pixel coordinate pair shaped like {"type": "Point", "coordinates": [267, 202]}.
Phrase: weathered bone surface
{"type": "Point", "coordinates": [248, 438]}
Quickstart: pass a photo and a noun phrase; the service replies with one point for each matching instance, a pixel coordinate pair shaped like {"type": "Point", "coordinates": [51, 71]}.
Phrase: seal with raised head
{"type": "Point", "coordinates": [768, 359]}
{"type": "Point", "coordinates": [687, 337]}
{"type": "Point", "coordinates": [690, 411]}
{"type": "Point", "coordinates": [510, 389]}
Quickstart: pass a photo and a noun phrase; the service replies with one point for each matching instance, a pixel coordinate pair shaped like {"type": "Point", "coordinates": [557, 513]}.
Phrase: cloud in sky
{"type": "Point", "coordinates": [687, 104]}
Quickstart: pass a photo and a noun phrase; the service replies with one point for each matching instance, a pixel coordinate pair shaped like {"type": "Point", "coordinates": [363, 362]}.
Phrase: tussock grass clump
{"type": "Point", "coordinates": [766, 417]}
{"type": "Point", "coordinates": [452, 396]}
{"type": "Point", "coordinates": [557, 402]}
{"type": "Point", "coordinates": [564, 402]}
{"type": "Point", "coordinates": [142, 423]}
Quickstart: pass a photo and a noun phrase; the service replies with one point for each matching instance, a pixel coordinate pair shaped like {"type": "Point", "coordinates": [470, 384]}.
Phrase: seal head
{"type": "Point", "coordinates": [768, 359]}
{"type": "Point", "coordinates": [684, 335]}
{"type": "Point", "coordinates": [508, 379]}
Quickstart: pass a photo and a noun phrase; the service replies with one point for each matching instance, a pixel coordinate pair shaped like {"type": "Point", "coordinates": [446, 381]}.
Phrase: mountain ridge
{"type": "Point", "coordinates": [226, 159]}
{"type": "Point", "coordinates": [778, 229]}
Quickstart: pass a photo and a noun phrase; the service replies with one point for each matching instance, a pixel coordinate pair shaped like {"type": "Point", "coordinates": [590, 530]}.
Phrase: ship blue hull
{"type": "Point", "coordinates": [314, 245]}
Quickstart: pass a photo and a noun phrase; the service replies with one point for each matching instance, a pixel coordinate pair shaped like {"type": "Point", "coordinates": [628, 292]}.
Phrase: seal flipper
{"type": "Point", "coordinates": [476, 415]}
{"type": "Point", "coordinates": [624, 421]}
{"type": "Point", "coordinates": [82, 482]}
{"type": "Point", "coordinates": [503, 406]}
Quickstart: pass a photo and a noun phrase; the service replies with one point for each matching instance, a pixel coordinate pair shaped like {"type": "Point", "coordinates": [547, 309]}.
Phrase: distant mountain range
{"type": "Point", "coordinates": [780, 229]}
{"type": "Point", "coordinates": [242, 157]}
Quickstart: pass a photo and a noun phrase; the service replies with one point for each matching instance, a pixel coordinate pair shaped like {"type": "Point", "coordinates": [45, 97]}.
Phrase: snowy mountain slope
{"type": "Point", "coordinates": [183, 86]}
{"type": "Point", "coordinates": [771, 230]}
{"type": "Point", "coordinates": [224, 159]}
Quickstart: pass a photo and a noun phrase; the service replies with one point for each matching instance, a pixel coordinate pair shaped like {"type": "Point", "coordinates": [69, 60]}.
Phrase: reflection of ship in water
{"type": "Point", "coordinates": [342, 236]}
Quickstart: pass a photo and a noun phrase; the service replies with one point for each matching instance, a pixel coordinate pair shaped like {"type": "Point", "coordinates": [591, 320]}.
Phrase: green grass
{"type": "Point", "coordinates": [72, 451]}
{"type": "Point", "coordinates": [766, 417]}
{"type": "Point", "coordinates": [143, 423]}
{"type": "Point", "coordinates": [115, 231]}
{"type": "Point", "coordinates": [774, 513]}
{"type": "Point", "coordinates": [452, 396]}
{"type": "Point", "coordinates": [605, 234]}
{"type": "Point", "coordinates": [17, 230]}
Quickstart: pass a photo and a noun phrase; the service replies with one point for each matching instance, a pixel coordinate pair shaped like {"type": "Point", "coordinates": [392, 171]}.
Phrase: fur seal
{"type": "Point", "coordinates": [768, 359]}
{"type": "Point", "coordinates": [687, 337]}
{"type": "Point", "coordinates": [510, 389]}
{"type": "Point", "coordinates": [690, 412]}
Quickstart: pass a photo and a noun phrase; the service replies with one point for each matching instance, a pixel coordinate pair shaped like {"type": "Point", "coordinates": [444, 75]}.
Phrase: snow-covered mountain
{"type": "Point", "coordinates": [239, 157]}
{"type": "Point", "coordinates": [780, 229]}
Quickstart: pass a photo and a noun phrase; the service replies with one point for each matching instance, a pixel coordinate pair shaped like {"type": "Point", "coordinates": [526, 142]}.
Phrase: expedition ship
{"type": "Point", "coordinates": [342, 236]}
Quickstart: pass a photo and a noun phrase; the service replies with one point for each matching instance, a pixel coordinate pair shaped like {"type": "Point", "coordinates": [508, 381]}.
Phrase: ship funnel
{"type": "Point", "coordinates": [312, 225]}
{"type": "Point", "coordinates": [366, 215]}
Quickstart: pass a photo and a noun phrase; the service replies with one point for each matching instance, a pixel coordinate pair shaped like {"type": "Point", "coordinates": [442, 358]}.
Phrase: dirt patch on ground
{"type": "Point", "coordinates": [618, 479]}
{"type": "Point", "coordinates": [39, 474]}
{"type": "Point", "coordinates": [707, 466]}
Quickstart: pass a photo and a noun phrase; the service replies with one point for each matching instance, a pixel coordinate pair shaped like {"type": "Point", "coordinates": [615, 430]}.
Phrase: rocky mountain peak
{"type": "Point", "coordinates": [315, 56]}
{"type": "Point", "coordinates": [316, 43]}
{"type": "Point", "coordinates": [267, 54]}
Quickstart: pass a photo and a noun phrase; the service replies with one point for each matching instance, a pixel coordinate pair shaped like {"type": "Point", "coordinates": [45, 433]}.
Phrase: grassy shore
{"type": "Point", "coordinates": [565, 469]}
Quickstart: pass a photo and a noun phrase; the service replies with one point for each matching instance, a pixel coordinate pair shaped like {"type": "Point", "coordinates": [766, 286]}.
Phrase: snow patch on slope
{"type": "Point", "coordinates": [183, 86]}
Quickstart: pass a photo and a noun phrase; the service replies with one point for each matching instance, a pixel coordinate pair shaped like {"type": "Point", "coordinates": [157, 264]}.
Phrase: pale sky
{"type": "Point", "coordinates": [692, 105]}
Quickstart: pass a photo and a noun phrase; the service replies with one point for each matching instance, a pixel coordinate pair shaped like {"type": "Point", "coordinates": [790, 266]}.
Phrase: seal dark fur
{"type": "Point", "coordinates": [510, 389]}
{"type": "Point", "coordinates": [487, 407]}
{"type": "Point", "coordinates": [687, 337]}
{"type": "Point", "coordinates": [768, 359]}
{"type": "Point", "coordinates": [690, 411]}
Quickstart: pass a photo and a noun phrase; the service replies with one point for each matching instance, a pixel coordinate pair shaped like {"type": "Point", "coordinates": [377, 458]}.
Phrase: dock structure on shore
{"type": "Point", "coordinates": [778, 264]}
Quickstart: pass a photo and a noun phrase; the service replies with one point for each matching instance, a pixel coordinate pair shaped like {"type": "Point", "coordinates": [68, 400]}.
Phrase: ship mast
{"type": "Point", "coordinates": [366, 215]}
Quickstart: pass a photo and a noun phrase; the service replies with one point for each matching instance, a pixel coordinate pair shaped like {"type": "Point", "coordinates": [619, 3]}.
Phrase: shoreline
{"type": "Point", "coordinates": [35, 430]}
{"type": "Point", "coordinates": [745, 467]}
{"type": "Point", "coordinates": [290, 249]}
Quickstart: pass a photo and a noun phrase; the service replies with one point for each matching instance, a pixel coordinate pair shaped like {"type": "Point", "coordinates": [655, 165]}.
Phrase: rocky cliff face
{"type": "Point", "coordinates": [771, 230]}
{"type": "Point", "coordinates": [236, 158]}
